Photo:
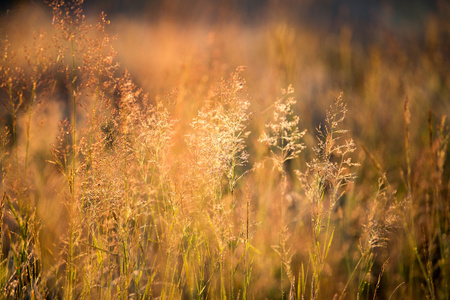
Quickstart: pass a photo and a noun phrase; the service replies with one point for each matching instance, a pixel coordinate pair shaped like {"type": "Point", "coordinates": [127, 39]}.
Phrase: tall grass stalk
{"type": "Point", "coordinates": [324, 183]}
{"type": "Point", "coordinates": [283, 141]}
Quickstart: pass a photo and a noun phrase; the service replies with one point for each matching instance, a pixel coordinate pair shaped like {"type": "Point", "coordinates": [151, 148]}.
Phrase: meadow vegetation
{"type": "Point", "coordinates": [152, 164]}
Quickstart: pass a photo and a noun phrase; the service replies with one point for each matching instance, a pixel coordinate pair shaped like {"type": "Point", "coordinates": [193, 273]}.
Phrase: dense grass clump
{"type": "Point", "coordinates": [189, 177]}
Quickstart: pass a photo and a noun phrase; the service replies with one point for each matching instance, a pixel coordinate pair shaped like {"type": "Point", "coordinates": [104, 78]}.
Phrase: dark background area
{"type": "Point", "coordinates": [402, 19]}
{"type": "Point", "coordinates": [358, 13]}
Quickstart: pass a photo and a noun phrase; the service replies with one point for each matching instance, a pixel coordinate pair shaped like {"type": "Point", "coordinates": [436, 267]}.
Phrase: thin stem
{"type": "Point", "coordinates": [74, 118]}
{"type": "Point", "coordinates": [30, 109]}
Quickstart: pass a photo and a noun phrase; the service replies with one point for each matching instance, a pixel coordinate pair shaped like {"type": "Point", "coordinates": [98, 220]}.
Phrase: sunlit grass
{"type": "Point", "coordinates": [168, 170]}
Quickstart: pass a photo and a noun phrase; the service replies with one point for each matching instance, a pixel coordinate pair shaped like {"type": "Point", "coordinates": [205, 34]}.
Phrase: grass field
{"type": "Point", "coordinates": [223, 157]}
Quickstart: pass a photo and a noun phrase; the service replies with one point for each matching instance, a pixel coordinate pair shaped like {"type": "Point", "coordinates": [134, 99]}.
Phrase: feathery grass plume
{"type": "Point", "coordinates": [145, 137]}
{"type": "Point", "coordinates": [69, 20]}
{"type": "Point", "coordinates": [120, 147]}
{"type": "Point", "coordinates": [99, 68]}
{"type": "Point", "coordinates": [217, 146]}
{"type": "Point", "coordinates": [382, 220]}
{"type": "Point", "coordinates": [130, 164]}
{"type": "Point", "coordinates": [283, 138]}
{"type": "Point", "coordinates": [125, 182]}
{"type": "Point", "coordinates": [87, 63]}
{"type": "Point", "coordinates": [283, 141]}
{"type": "Point", "coordinates": [324, 181]}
